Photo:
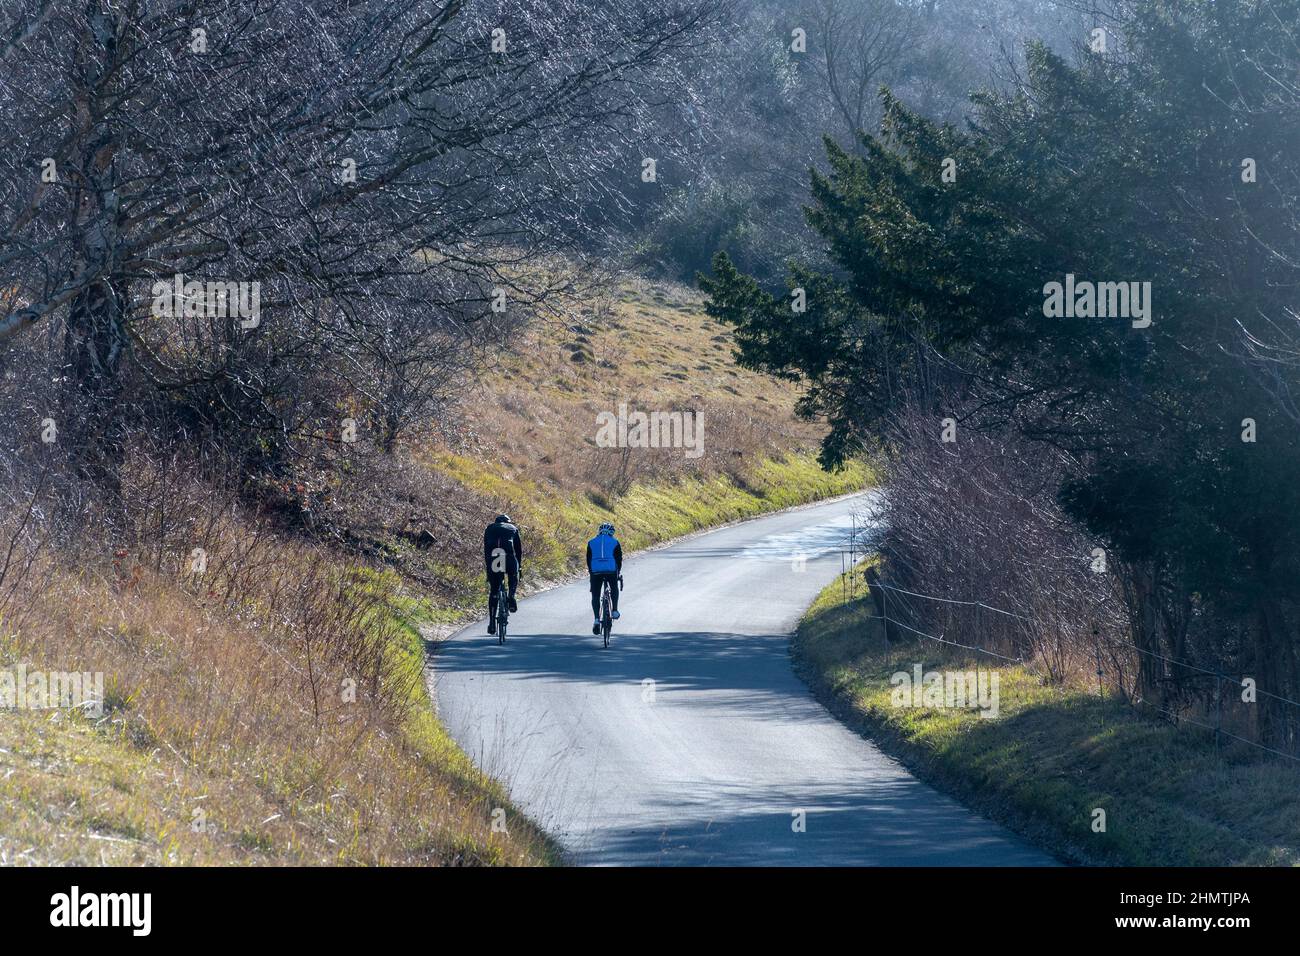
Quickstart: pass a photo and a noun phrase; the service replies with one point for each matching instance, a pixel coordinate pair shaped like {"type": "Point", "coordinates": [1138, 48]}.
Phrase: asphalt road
{"type": "Point", "coordinates": [690, 740]}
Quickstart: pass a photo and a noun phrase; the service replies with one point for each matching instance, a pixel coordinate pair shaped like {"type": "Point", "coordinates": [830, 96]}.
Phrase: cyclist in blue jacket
{"type": "Point", "coordinates": [604, 562]}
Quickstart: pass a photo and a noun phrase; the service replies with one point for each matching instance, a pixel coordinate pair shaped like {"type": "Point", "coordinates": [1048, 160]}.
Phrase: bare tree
{"type": "Point", "coordinates": [861, 43]}
{"type": "Point", "coordinates": [344, 192]}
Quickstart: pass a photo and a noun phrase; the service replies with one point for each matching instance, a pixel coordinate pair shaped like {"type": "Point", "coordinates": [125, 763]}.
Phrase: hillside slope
{"type": "Point", "coordinates": [269, 706]}
{"type": "Point", "coordinates": [529, 443]}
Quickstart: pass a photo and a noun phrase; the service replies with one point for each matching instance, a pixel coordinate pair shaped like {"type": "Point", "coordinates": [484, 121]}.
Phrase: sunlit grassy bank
{"type": "Point", "coordinates": [1054, 756]}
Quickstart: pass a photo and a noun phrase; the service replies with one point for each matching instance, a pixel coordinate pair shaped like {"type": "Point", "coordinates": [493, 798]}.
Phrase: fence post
{"type": "Point", "coordinates": [1218, 707]}
{"type": "Point", "coordinates": [880, 597]}
{"type": "Point", "coordinates": [1096, 645]}
{"type": "Point", "coordinates": [853, 552]}
{"type": "Point", "coordinates": [884, 613]}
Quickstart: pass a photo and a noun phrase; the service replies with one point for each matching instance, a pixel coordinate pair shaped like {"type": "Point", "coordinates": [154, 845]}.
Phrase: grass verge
{"type": "Point", "coordinates": [557, 526]}
{"type": "Point", "coordinates": [1055, 755]}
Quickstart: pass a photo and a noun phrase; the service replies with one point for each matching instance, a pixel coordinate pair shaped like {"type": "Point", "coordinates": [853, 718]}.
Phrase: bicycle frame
{"type": "Point", "coordinates": [606, 601]}
{"type": "Point", "coordinates": [503, 611]}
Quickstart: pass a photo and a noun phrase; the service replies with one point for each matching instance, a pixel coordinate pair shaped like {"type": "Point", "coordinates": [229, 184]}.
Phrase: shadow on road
{"type": "Point", "coordinates": [674, 660]}
{"type": "Point", "coordinates": [893, 822]}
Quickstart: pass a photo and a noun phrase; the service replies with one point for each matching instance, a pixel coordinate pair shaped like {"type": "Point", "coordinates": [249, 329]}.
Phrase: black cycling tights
{"type": "Point", "coordinates": [597, 579]}
{"type": "Point", "coordinates": [494, 581]}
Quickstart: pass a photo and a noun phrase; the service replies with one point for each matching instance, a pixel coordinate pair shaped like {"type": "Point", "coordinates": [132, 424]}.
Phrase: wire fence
{"type": "Point", "coordinates": [1223, 709]}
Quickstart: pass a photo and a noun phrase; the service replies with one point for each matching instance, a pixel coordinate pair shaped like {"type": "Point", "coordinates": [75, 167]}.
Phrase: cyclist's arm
{"type": "Point", "coordinates": [588, 557]}
{"type": "Point", "coordinates": [519, 549]}
{"type": "Point", "coordinates": [618, 558]}
{"type": "Point", "coordinates": [487, 547]}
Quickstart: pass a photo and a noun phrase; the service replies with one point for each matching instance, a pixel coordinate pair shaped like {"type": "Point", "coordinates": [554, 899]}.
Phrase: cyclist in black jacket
{"type": "Point", "coordinates": [503, 555]}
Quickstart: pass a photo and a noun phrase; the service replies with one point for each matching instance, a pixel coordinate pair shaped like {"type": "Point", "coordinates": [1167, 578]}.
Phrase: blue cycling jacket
{"type": "Point", "coordinates": [604, 554]}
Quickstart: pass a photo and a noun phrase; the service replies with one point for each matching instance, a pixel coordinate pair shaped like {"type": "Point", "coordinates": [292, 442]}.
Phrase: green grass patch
{"type": "Point", "coordinates": [557, 526]}
{"type": "Point", "coordinates": [1054, 755]}
{"type": "Point", "coordinates": [427, 736]}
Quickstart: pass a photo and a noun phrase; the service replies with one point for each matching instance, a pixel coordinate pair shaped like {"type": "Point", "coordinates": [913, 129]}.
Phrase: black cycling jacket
{"type": "Point", "coordinates": [500, 534]}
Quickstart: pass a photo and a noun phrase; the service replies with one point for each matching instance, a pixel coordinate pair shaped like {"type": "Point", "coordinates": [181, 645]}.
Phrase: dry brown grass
{"type": "Point", "coordinates": [649, 345]}
{"type": "Point", "coordinates": [231, 732]}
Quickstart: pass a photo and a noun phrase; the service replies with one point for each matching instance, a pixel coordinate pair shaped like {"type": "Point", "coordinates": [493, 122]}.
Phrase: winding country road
{"type": "Point", "coordinates": [690, 740]}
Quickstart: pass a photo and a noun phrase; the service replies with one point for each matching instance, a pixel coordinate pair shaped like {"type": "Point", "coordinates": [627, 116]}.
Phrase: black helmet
{"type": "Point", "coordinates": [503, 519]}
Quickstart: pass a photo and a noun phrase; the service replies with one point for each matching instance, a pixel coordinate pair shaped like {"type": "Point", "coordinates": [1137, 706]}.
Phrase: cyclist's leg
{"type": "Point", "coordinates": [613, 592]}
{"type": "Point", "coordinates": [595, 603]}
{"type": "Point", "coordinates": [493, 582]}
{"type": "Point", "coordinates": [512, 573]}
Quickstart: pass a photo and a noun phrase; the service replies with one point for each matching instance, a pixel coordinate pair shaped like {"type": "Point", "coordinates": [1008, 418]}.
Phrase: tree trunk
{"type": "Point", "coordinates": [94, 342]}
{"type": "Point", "coordinates": [1144, 628]}
{"type": "Point", "coordinates": [93, 346]}
{"type": "Point", "coordinates": [1273, 662]}
{"type": "Point", "coordinates": [95, 339]}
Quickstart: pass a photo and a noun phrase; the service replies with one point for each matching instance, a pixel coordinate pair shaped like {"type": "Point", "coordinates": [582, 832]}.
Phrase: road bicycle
{"type": "Point", "coordinates": [503, 610]}
{"type": "Point", "coordinates": [606, 616]}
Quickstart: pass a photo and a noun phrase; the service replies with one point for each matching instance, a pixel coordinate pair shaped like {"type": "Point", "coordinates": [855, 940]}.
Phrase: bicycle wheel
{"type": "Point", "coordinates": [606, 622]}
{"type": "Point", "coordinates": [503, 616]}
